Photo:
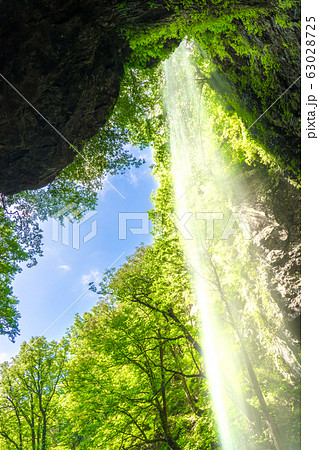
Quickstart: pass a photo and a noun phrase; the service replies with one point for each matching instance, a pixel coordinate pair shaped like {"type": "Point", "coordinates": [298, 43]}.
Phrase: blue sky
{"type": "Point", "coordinates": [63, 273]}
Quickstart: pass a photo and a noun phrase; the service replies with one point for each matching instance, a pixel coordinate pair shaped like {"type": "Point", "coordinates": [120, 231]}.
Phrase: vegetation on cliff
{"type": "Point", "coordinates": [130, 373]}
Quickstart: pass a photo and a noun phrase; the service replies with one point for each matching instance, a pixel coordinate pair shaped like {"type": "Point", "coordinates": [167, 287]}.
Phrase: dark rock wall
{"type": "Point", "coordinates": [66, 58]}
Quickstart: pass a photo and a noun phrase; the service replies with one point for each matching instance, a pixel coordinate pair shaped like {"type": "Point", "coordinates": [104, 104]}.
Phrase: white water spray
{"type": "Point", "coordinates": [201, 189]}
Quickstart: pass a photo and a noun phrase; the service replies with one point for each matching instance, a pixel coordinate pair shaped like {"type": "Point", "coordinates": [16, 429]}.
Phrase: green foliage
{"type": "Point", "coordinates": [21, 235]}
{"type": "Point", "coordinates": [239, 48]}
{"type": "Point", "coordinates": [8, 309]}
{"type": "Point", "coordinates": [28, 389]}
{"type": "Point", "coordinates": [70, 196]}
{"type": "Point", "coordinates": [135, 376]}
{"type": "Point", "coordinates": [138, 346]}
{"type": "Point", "coordinates": [11, 254]}
{"type": "Point", "coordinates": [138, 111]}
{"type": "Point", "coordinates": [233, 60]}
{"type": "Point", "coordinates": [105, 154]}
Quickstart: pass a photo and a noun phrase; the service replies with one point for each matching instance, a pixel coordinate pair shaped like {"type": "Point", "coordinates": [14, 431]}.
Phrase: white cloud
{"type": "Point", "coordinates": [65, 267]}
{"type": "Point", "coordinates": [91, 276]}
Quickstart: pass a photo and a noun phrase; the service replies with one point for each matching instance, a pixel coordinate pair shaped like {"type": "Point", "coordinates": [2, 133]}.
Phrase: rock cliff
{"type": "Point", "coordinates": [66, 58]}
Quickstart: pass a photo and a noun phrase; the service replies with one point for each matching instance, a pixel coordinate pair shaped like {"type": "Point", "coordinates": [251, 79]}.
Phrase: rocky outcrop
{"type": "Point", "coordinates": [272, 213]}
{"type": "Point", "coordinates": [66, 58]}
{"type": "Point", "coordinates": [258, 75]}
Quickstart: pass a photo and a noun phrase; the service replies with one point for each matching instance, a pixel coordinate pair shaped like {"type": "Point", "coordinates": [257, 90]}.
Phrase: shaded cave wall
{"type": "Point", "coordinates": [66, 58]}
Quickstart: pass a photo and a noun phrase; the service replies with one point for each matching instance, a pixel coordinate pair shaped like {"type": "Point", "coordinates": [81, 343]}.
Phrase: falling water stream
{"type": "Point", "coordinates": [247, 414]}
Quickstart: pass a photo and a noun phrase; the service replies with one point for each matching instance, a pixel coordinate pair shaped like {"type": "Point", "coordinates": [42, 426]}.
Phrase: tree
{"type": "Point", "coordinates": [11, 254]}
{"type": "Point", "coordinates": [134, 381]}
{"type": "Point", "coordinates": [28, 394]}
{"type": "Point", "coordinates": [21, 235]}
{"type": "Point", "coordinates": [235, 303]}
{"type": "Point", "coordinates": [70, 196]}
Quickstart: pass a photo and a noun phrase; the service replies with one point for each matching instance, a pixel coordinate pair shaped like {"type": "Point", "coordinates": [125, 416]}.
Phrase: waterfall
{"type": "Point", "coordinates": [247, 361]}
